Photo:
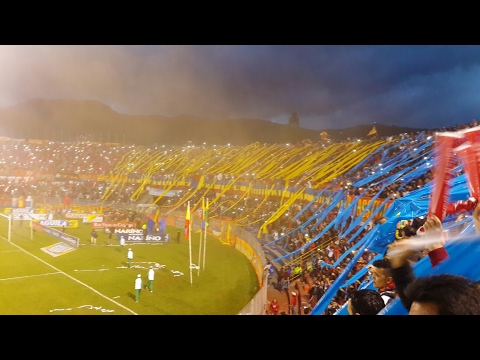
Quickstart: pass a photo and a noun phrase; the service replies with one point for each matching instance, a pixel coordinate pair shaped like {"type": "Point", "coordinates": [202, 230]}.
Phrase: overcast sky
{"type": "Point", "coordinates": [327, 86]}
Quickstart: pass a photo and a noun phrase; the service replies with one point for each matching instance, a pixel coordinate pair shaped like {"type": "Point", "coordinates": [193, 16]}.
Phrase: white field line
{"type": "Point", "coordinates": [29, 276]}
{"type": "Point", "coordinates": [71, 277]}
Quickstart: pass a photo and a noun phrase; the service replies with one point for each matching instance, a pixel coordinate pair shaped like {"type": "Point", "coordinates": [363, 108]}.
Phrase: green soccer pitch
{"type": "Point", "coordinates": [95, 279]}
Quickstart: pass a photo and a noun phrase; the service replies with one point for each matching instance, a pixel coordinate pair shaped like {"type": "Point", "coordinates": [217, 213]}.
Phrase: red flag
{"type": "Point", "coordinates": [187, 222]}
{"type": "Point", "coordinates": [443, 165]}
{"type": "Point", "coordinates": [66, 200]}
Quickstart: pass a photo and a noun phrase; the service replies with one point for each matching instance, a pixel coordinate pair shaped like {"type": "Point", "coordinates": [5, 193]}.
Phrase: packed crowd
{"type": "Point", "coordinates": [393, 277]}
{"type": "Point", "coordinates": [81, 171]}
{"type": "Point", "coordinates": [56, 168]}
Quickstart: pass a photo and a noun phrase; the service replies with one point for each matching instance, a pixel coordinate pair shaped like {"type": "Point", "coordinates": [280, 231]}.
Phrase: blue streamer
{"type": "Point", "coordinates": [345, 254]}
{"type": "Point", "coordinates": [301, 227]}
{"type": "Point", "coordinates": [333, 204]}
{"type": "Point", "coordinates": [322, 304]}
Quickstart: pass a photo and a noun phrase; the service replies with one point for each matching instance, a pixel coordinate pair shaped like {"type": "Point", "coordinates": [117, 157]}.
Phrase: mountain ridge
{"type": "Point", "coordinates": [96, 121]}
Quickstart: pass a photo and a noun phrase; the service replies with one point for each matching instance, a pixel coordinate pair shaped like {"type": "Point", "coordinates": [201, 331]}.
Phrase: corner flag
{"type": "Point", "coordinates": [187, 222]}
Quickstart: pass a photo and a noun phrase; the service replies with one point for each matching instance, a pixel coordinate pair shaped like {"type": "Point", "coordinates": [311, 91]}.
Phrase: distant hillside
{"type": "Point", "coordinates": [71, 120]}
{"type": "Point", "coordinates": [362, 130]}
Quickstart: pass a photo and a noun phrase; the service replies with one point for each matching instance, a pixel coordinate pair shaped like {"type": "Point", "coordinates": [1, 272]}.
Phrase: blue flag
{"type": "Point", "coordinates": [163, 226]}
{"type": "Point", "coordinates": [150, 226]}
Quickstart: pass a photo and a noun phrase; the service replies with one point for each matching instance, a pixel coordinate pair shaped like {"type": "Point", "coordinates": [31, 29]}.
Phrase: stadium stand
{"type": "Point", "coordinates": [314, 207]}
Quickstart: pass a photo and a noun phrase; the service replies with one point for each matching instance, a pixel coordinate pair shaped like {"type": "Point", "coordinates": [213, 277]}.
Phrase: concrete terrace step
{"type": "Point", "coordinates": [277, 250]}
{"type": "Point", "coordinates": [274, 252]}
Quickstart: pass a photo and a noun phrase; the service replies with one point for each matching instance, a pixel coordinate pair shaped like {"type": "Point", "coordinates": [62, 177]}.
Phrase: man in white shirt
{"type": "Point", "coordinates": [138, 287]}
{"type": "Point", "coordinates": [129, 257]}
{"type": "Point", "coordinates": [151, 275]}
{"type": "Point", "coordinates": [122, 243]}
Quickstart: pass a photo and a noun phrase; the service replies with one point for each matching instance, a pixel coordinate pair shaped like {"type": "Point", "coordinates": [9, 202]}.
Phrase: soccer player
{"type": "Point", "coordinates": [129, 257]}
{"type": "Point", "coordinates": [138, 287]}
{"type": "Point", "coordinates": [122, 243]}
{"type": "Point", "coordinates": [151, 275]}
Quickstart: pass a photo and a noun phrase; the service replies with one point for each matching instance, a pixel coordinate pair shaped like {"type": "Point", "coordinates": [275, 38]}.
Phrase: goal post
{"type": "Point", "coordinates": [6, 226]}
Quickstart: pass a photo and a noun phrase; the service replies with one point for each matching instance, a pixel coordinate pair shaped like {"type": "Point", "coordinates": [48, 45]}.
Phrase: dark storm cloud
{"type": "Point", "coordinates": [327, 86]}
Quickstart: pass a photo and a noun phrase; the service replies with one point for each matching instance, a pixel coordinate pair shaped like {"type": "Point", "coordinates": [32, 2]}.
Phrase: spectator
{"type": "Point", "coordinates": [307, 310]}
{"type": "Point", "coordinates": [436, 251]}
{"type": "Point", "coordinates": [270, 270]}
{"type": "Point", "coordinates": [381, 272]}
{"type": "Point", "coordinates": [442, 294]}
{"type": "Point", "coordinates": [407, 231]}
{"type": "Point", "coordinates": [293, 303]}
{"type": "Point", "coordinates": [365, 302]}
{"type": "Point", "coordinates": [286, 279]}
{"type": "Point", "coordinates": [332, 308]}
{"type": "Point", "coordinates": [274, 307]}
{"type": "Point", "coordinates": [316, 292]}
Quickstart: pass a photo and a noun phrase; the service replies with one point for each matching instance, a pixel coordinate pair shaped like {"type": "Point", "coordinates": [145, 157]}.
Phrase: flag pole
{"type": "Point", "coordinates": [31, 228]}
{"type": "Point", "coordinates": [205, 236]}
{"type": "Point", "coordinates": [189, 232]}
{"type": "Point", "coordinates": [200, 244]}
